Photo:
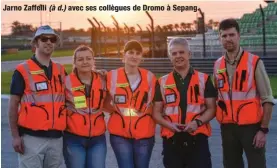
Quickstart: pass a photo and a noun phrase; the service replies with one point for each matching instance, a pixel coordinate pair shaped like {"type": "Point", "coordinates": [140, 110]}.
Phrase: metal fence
{"type": "Point", "coordinates": [163, 65]}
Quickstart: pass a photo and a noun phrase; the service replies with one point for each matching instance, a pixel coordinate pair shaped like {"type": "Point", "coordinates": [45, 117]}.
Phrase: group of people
{"type": "Point", "coordinates": [57, 119]}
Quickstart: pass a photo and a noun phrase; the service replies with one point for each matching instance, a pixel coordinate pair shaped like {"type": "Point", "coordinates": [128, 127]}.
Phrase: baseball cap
{"type": "Point", "coordinates": [47, 30]}
{"type": "Point", "coordinates": [133, 44]}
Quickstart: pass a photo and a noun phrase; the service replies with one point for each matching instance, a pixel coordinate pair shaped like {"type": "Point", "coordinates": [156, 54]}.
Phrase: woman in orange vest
{"type": "Point", "coordinates": [131, 126]}
{"type": "Point", "coordinates": [84, 137]}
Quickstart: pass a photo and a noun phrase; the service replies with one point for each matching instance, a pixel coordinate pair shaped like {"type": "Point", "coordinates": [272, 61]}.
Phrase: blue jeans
{"type": "Point", "coordinates": [82, 152]}
{"type": "Point", "coordinates": [132, 153]}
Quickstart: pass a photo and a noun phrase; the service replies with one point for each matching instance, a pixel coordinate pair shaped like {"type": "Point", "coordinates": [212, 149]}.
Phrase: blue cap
{"type": "Point", "coordinates": [47, 30]}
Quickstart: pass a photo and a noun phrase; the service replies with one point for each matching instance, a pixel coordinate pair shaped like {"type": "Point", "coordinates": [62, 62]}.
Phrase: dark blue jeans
{"type": "Point", "coordinates": [82, 152]}
{"type": "Point", "coordinates": [132, 153]}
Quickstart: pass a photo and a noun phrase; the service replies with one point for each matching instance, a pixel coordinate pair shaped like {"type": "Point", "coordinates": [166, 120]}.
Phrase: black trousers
{"type": "Point", "coordinates": [186, 151]}
{"type": "Point", "coordinates": [235, 140]}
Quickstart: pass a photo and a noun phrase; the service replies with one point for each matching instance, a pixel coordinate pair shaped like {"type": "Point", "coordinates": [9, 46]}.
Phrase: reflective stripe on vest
{"type": "Point", "coordinates": [45, 98]}
{"type": "Point", "coordinates": [190, 107]}
{"type": "Point", "coordinates": [131, 111]}
{"type": "Point", "coordinates": [238, 102]}
{"type": "Point", "coordinates": [43, 101]}
{"type": "Point", "coordinates": [236, 95]}
{"type": "Point", "coordinates": [195, 102]}
{"type": "Point", "coordinates": [250, 69]}
{"type": "Point", "coordinates": [70, 97]}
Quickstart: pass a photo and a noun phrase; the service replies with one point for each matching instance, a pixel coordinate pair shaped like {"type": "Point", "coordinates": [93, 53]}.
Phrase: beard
{"type": "Point", "coordinates": [46, 51]}
{"type": "Point", "coordinates": [230, 47]}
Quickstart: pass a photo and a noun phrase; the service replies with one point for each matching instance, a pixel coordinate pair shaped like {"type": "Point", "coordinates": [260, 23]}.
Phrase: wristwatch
{"type": "Point", "coordinates": [199, 122]}
{"type": "Point", "coordinates": [264, 130]}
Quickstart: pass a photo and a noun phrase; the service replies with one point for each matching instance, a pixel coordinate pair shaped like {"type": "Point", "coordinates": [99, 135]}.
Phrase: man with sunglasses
{"type": "Point", "coordinates": [184, 105]}
{"type": "Point", "coordinates": [36, 110]}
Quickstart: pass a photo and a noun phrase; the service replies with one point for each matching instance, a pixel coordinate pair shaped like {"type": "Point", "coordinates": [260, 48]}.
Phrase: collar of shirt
{"type": "Point", "coordinates": [190, 72]}
{"type": "Point", "coordinates": [39, 64]}
{"type": "Point", "coordinates": [237, 58]}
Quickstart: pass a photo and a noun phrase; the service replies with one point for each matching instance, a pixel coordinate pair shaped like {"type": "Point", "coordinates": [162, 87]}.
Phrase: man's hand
{"type": "Point", "coordinates": [191, 127]}
{"type": "Point", "coordinates": [18, 145]}
{"type": "Point", "coordinates": [259, 139]}
{"type": "Point", "coordinates": [176, 127]}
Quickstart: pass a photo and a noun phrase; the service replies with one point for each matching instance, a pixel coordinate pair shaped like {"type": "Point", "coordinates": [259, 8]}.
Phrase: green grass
{"type": "Point", "coordinates": [25, 54]}
{"type": "Point", "coordinates": [273, 82]}
{"type": "Point", "coordinates": [6, 78]}
{"type": "Point", "coordinates": [6, 81]}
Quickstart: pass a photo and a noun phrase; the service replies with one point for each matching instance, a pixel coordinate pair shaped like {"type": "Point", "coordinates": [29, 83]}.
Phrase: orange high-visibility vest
{"type": "Point", "coordinates": [133, 115]}
{"type": "Point", "coordinates": [242, 105]}
{"type": "Point", "coordinates": [195, 102]}
{"type": "Point", "coordinates": [43, 102]}
{"type": "Point", "coordinates": [84, 112]}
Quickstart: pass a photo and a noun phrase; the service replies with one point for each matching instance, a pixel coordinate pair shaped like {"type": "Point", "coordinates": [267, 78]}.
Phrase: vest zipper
{"type": "Point", "coordinates": [55, 83]}
{"type": "Point", "coordinates": [130, 123]}
{"type": "Point", "coordinates": [132, 91]}
{"type": "Point", "coordinates": [89, 118]}
{"type": "Point", "coordinates": [230, 92]}
{"type": "Point", "coordinates": [60, 80]}
{"type": "Point", "coordinates": [52, 104]}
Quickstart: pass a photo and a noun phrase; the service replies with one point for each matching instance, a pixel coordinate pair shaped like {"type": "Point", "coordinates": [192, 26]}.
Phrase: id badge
{"type": "Point", "coordinates": [119, 99]}
{"type": "Point", "coordinates": [220, 83]}
{"type": "Point", "coordinates": [170, 98]}
{"type": "Point", "coordinates": [40, 86]}
{"type": "Point", "coordinates": [80, 102]}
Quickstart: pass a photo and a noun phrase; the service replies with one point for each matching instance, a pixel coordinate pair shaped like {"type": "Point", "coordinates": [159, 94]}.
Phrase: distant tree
{"type": "Point", "coordinates": [132, 30]}
{"type": "Point", "coordinates": [210, 24]}
{"type": "Point", "coordinates": [183, 25]}
{"type": "Point", "coordinates": [21, 29]}
{"type": "Point", "coordinates": [165, 28]}
{"type": "Point", "coordinates": [176, 26]}
{"type": "Point", "coordinates": [216, 24]}
{"type": "Point", "coordinates": [189, 26]}
{"type": "Point", "coordinates": [195, 24]}
{"type": "Point", "coordinates": [170, 27]}
{"type": "Point", "coordinates": [158, 28]}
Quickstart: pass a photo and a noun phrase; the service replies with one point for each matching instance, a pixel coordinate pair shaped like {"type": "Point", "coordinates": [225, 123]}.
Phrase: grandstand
{"type": "Point", "coordinates": [250, 29]}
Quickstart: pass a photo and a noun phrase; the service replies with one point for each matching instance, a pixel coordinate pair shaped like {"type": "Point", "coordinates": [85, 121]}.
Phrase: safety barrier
{"type": "Point", "coordinates": [163, 65]}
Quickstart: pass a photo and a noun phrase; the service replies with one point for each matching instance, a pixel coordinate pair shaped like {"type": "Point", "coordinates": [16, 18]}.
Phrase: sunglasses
{"type": "Point", "coordinates": [45, 39]}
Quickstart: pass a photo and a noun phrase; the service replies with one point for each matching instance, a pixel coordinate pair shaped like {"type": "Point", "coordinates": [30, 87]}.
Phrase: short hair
{"type": "Point", "coordinates": [133, 44]}
{"type": "Point", "coordinates": [178, 41]}
{"type": "Point", "coordinates": [229, 23]}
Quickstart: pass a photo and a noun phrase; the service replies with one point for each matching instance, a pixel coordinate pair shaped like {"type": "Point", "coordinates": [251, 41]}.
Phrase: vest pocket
{"type": "Point", "coordinates": [99, 125]}
{"type": "Point", "coordinates": [77, 124]}
{"type": "Point", "coordinates": [116, 124]}
{"type": "Point", "coordinates": [144, 127]}
{"type": "Point", "coordinates": [248, 112]}
{"type": "Point", "coordinates": [37, 117]}
{"type": "Point", "coordinates": [223, 112]}
{"type": "Point", "coordinates": [98, 117]}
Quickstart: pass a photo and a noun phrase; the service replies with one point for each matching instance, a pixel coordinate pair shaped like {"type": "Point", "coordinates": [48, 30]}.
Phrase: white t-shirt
{"type": "Point", "coordinates": [135, 84]}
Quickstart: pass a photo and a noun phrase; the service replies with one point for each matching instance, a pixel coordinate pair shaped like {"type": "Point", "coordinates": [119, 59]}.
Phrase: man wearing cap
{"type": "Point", "coordinates": [36, 110]}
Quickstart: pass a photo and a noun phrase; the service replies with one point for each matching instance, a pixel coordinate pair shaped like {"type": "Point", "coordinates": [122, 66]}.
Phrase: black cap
{"type": "Point", "coordinates": [133, 44]}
